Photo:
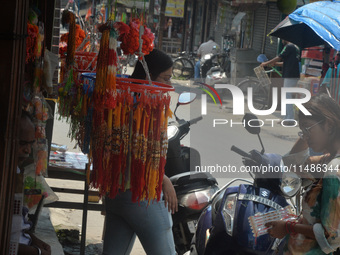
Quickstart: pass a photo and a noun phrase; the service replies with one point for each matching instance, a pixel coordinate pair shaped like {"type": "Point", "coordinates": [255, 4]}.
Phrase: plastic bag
{"type": "Point", "coordinates": [50, 64]}
{"type": "Point", "coordinates": [34, 187]}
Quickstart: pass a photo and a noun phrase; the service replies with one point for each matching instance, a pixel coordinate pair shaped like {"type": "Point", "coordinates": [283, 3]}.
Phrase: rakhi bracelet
{"type": "Point", "coordinates": [292, 226]}
{"type": "Point", "coordinates": [287, 227]}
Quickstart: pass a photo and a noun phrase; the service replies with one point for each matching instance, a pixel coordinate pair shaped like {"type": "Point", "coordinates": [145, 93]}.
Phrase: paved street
{"type": "Point", "coordinates": [212, 143]}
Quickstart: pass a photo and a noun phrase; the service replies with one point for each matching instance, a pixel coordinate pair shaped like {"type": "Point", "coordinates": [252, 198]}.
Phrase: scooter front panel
{"type": "Point", "coordinates": [246, 208]}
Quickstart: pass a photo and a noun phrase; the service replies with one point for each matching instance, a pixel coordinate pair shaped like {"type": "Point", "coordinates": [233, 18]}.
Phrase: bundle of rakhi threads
{"type": "Point", "coordinates": [122, 122]}
{"type": "Point", "coordinates": [258, 221]}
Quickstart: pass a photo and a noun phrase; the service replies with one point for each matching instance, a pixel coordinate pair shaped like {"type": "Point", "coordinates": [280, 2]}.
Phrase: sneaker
{"type": "Point", "coordinates": [288, 123]}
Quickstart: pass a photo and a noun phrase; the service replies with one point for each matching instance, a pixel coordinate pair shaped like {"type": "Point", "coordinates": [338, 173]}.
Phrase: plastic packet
{"type": "Point", "coordinates": [58, 147]}
{"type": "Point", "coordinates": [34, 187]}
{"type": "Point", "coordinates": [258, 221]}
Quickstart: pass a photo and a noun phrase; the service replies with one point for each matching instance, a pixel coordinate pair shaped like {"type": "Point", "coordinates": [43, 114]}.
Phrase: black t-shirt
{"type": "Point", "coordinates": [290, 56]}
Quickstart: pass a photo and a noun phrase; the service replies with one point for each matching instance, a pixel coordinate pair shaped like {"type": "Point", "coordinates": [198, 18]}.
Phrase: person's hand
{"type": "Point", "coordinates": [169, 193]}
{"type": "Point", "coordinates": [320, 159]}
{"type": "Point", "coordinates": [263, 64]}
{"type": "Point", "coordinates": [44, 247]}
{"type": "Point", "coordinates": [314, 162]}
{"type": "Point", "coordinates": [277, 229]}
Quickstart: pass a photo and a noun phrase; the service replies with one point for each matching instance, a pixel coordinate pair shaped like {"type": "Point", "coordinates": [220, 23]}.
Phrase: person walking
{"type": "Point", "coordinates": [290, 55]}
{"type": "Point", "coordinates": [152, 223]}
{"type": "Point", "coordinates": [205, 48]}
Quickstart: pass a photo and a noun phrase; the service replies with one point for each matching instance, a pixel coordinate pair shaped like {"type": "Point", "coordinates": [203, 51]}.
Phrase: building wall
{"type": "Point", "coordinates": [266, 17]}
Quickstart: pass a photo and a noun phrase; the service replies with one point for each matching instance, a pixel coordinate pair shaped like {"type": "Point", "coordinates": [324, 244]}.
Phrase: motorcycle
{"type": "Point", "coordinates": [209, 62]}
{"type": "Point", "coordinates": [219, 72]}
{"type": "Point", "coordinates": [193, 190]}
{"type": "Point", "coordinates": [225, 227]}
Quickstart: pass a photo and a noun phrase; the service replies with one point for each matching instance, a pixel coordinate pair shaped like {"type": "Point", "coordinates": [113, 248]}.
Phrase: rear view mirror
{"type": "Point", "coordinates": [186, 98]}
{"type": "Point", "coordinates": [252, 124]}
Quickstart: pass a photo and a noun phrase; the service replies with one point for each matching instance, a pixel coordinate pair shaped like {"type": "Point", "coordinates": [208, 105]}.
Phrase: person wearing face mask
{"type": "Point", "coordinates": [317, 231]}
{"type": "Point", "coordinates": [26, 243]}
{"type": "Point", "coordinates": [151, 223]}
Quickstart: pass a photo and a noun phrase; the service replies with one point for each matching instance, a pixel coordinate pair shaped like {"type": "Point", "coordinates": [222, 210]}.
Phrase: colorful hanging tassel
{"type": "Point", "coordinates": [69, 18]}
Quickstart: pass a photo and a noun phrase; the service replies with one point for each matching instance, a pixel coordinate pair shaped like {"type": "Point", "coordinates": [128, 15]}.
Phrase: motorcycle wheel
{"type": "Point", "coordinates": [182, 237]}
{"type": "Point", "coordinates": [260, 94]}
{"type": "Point", "coordinates": [182, 68]}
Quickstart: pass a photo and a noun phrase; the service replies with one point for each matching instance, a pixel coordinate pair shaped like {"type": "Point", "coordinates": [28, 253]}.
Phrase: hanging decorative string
{"type": "Point", "coordinates": [138, 141]}
{"type": "Point", "coordinates": [68, 17]}
{"type": "Point", "coordinates": [67, 90]}
{"type": "Point", "coordinates": [121, 123]}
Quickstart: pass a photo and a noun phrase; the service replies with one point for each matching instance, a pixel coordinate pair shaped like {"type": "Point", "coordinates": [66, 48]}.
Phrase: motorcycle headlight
{"type": "Point", "coordinates": [207, 56]}
{"type": "Point", "coordinates": [172, 131]}
{"type": "Point", "coordinates": [197, 200]}
{"type": "Point", "coordinates": [290, 184]}
{"type": "Point", "coordinates": [229, 212]}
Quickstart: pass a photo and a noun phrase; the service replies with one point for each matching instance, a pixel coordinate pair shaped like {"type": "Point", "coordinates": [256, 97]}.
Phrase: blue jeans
{"type": "Point", "coordinates": [289, 83]}
{"type": "Point", "coordinates": [124, 219]}
{"type": "Point", "coordinates": [197, 69]}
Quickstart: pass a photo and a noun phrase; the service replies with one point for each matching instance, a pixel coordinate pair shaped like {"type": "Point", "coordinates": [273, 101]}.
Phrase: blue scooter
{"type": "Point", "coordinates": [223, 227]}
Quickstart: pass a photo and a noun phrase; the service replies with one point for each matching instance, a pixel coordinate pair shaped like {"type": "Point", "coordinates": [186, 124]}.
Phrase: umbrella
{"type": "Point", "coordinates": [312, 25]}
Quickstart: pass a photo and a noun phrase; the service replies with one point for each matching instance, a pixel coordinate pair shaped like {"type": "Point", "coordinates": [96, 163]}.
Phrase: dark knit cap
{"type": "Point", "coordinates": [157, 61]}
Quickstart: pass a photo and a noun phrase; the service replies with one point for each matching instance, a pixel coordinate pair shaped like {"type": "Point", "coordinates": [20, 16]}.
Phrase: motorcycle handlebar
{"type": "Point", "coordinates": [240, 152]}
{"type": "Point", "coordinates": [194, 121]}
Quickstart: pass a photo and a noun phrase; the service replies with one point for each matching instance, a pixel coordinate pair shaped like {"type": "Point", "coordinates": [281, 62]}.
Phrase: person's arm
{"type": "Point", "coordinates": [41, 244]}
{"type": "Point", "coordinates": [326, 232]}
{"type": "Point", "coordinates": [37, 247]}
{"type": "Point", "coordinates": [28, 250]}
{"type": "Point", "coordinates": [280, 229]}
{"type": "Point", "coordinates": [169, 193]}
{"type": "Point", "coordinates": [300, 145]}
{"type": "Point", "coordinates": [271, 62]}
{"type": "Point", "coordinates": [199, 51]}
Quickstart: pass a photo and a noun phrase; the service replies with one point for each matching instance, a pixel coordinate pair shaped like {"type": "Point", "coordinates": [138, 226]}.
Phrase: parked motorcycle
{"type": "Point", "coordinates": [193, 190]}
{"type": "Point", "coordinates": [209, 62]}
{"type": "Point", "coordinates": [219, 72]}
{"type": "Point", "coordinates": [224, 226]}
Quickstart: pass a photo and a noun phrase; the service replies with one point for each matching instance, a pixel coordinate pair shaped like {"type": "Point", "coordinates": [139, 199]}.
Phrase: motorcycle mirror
{"type": "Point", "coordinates": [184, 98]}
{"type": "Point", "coordinates": [252, 124]}
{"type": "Point", "coordinates": [262, 58]}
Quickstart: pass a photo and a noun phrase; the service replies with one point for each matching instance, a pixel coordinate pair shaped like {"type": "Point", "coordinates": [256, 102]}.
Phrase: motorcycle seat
{"type": "Point", "coordinates": [189, 177]}
{"type": "Point", "coordinates": [215, 69]}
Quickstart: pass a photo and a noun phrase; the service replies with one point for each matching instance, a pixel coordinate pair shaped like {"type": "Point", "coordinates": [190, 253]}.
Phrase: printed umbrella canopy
{"type": "Point", "coordinates": [312, 25]}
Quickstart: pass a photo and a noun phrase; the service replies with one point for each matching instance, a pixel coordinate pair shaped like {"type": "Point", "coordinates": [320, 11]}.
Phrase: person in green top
{"type": "Point", "coordinates": [317, 231]}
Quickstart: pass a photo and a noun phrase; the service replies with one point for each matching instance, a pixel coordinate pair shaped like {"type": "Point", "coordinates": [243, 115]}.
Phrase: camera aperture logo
{"type": "Point", "coordinates": [204, 109]}
{"type": "Point", "coordinates": [238, 102]}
